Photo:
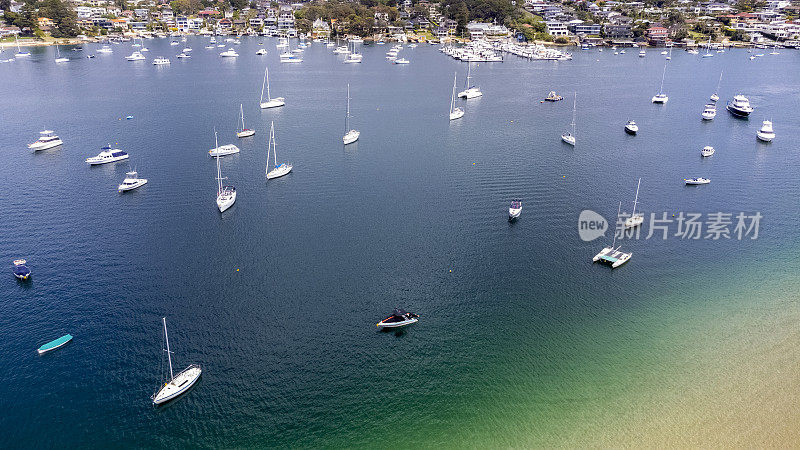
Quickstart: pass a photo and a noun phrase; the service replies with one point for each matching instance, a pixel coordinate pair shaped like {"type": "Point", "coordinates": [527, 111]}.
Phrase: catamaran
{"type": "Point", "coordinates": [469, 91]}
{"type": "Point", "coordinates": [350, 136]}
{"type": "Point", "coordinates": [177, 384]}
{"type": "Point", "coordinates": [278, 170]}
{"type": "Point", "coordinates": [661, 97]}
{"type": "Point", "coordinates": [635, 219]}
{"type": "Point", "coordinates": [613, 255]}
{"type": "Point", "coordinates": [455, 112]}
{"type": "Point", "coordinates": [246, 132]}
{"type": "Point", "coordinates": [568, 137]}
{"type": "Point", "coordinates": [271, 102]}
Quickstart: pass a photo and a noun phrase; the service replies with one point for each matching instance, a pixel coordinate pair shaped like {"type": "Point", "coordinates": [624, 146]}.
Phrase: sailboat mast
{"type": "Point", "coordinates": [262, 85]}
{"type": "Point", "coordinates": [574, 102]}
{"type": "Point", "coordinates": [453, 97]}
{"type": "Point", "coordinates": [269, 143]}
{"type": "Point", "coordinates": [661, 89]}
{"type": "Point", "coordinates": [619, 209]}
{"type": "Point", "coordinates": [266, 76]}
{"type": "Point", "coordinates": [469, 73]}
{"type": "Point", "coordinates": [219, 172]}
{"type": "Point", "coordinates": [166, 337]}
{"type": "Point", "coordinates": [636, 200]}
{"type": "Point", "coordinates": [241, 109]}
{"type": "Point", "coordinates": [347, 116]}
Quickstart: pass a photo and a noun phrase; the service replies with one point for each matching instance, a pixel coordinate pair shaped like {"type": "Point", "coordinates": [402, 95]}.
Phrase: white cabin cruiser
{"type": "Point", "coordinates": [696, 180]}
{"type": "Point", "coordinates": [108, 155]}
{"type": "Point", "coordinates": [709, 112]}
{"type": "Point", "coordinates": [707, 151]}
{"type": "Point", "coordinates": [160, 61]}
{"type": "Point", "coordinates": [135, 56]}
{"type": "Point", "coordinates": [229, 53]}
{"type": "Point", "coordinates": [740, 106]}
{"type": "Point", "coordinates": [47, 140]}
{"type": "Point", "coordinates": [766, 133]}
{"type": "Point", "coordinates": [631, 127]}
{"type": "Point", "coordinates": [131, 181]}
{"type": "Point", "coordinates": [515, 209]}
{"type": "Point", "coordinates": [223, 150]}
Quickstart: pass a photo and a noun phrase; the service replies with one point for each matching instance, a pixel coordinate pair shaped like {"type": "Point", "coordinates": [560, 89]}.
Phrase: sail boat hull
{"type": "Point", "coordinates": [279, 171]}
{"type": "Point", "coordinates": [456, 114]}
{"type": "Point", "coordinates": [245, 133]}
{"type": "Point", "coordinates": [225, 200]}
{"type": "Point", "coordinates": [274, 103]}
{"type": "Point", "coordinates": [178, 386]}
{"type": "Point", "coordinates": [351, 137]}
{"type": "Point", "coordinates": [568, 138]}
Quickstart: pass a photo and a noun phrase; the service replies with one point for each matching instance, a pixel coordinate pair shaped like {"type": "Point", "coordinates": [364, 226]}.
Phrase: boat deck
{"type": "Point", "coordinates": [613, 256]}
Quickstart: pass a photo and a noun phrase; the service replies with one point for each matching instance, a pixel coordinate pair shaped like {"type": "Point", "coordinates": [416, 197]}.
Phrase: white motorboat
{"type": "Point", "coordinates": [696, 180]}
{"type": "Point", "coordinates": [290, 58]}
{"type": "Point", "coordinates": [177, 384]}
{"type": "Point", "coordinates": [210, 47]}
{"type": "Point", "coordinates": [707, 151]}
{"type": "Point", "coordinates": [135, 56]}
{"type": "Point", "coordinates": [709, 112]}
{"type": "Point", "coordinates": [693, 51]}
{"type": "Point", "coordinates": [244, 132]}
{"type": "Point", "coordinates": [631, 127]}
{"type": "Point", "coordinates": [766, 133]}
{"type": "Point", "coordinates": [262, 51]}
{"type": "Point", "coordinates": [278, 170]}
{"type": "Point", "coordinates": [131, 181]}
{"type": "Point", "coordinates": [341, 50]}
{"type": "Point", "coordinates": [105, 49]}
{"type": "Point", "coordinates": [174, 43]}
{"type": "Point", "coordinates": [271, 102]}
{"type": "Point", "coordinates": [160, 61]}
{"type": "Point", "coordinates": [515, 209]}
{"type": "Point", "coordinates": [635, 219]}
{"type": "Point", "coordinates": [455, 112]}
{"type": "Point", "coordinates": [186, 50]}
{"type": "Point", "coordinates": [401, 61]}
{"type": "Point", "coordinates": [469, 90]}
{"type": "Point", "coordinates": [183, 55]}
{"type": "Point", "coordinates": [107, 155]}
{"type": "Point", "coordinates": [229, 53]}
{"type": "Point", "coordinates": [47, 140]}
{"type": "Point", "coordinates": [59, 59]}
{"type": "Point", "coordinates": [661, 97]}
{"type": "Point", "coordinates": [568, 137]}
{"type": "Point", "coordinates": [223, 150]}
{"type": "Point", "coordinates": [350, 135]}
{"type": "Point", "coordinates": [642, 53]}
{"type": "Point", "coordinates": [399, 318]}
{"type": "Point", "coordinates": [353, 58]}
{"type": "Point", "coordinates": [740, 106]}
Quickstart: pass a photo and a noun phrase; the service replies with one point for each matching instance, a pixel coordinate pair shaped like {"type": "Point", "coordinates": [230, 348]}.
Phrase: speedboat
{"type": "Point", "coordinates": [553, 97]}
{"type": "Point", "coordinates": [21, 271]}
{"type": "Point", "coordinates": [184, 55]}
{"type": "Point", "coordinates": [108, 155]}
{"type": "Point", "coordinates": [229, 53]}
{"type": "Point", "coordinates": [412, 45]}
{"type": "Point", "coordinates": [697, 180]}
{"type": "Point", "coordinates": [135, 56]}
{"type": "Point", "coordinates": [660, 98]}
{"type": "Point", "coordinates": [290, 58]}
{"type": "Point", "coordinates": [160, 61]}
{"type": "Point", "coordinates": [693, 52]}
{"type": "Point", "coordinates": [470, 92]}
{"type": "Point", "coordinates": [631, 127]}
{"type": "Point", "coordinates": [707, 150]}
{"type": "Point", "coordinates": [46, 140]}
{"type": "Point", "coordinates": [54, 344]}
{"type": "Point", "coordinates": [740, 106]}
{"type": "Point", "coordinates": [714, 97]}
{"type": "Point", "coordinates": [223, 150]}
{"type": "Point", "coordinates": [710, 112]}
{"type": "Point", "coordinates": [766, 133]}
{"type": "Point", "coordinates": [515, 209]}
{"type": "Point", "coordinates": [399, 318]}
{"type": "Point", "coordinates": [403, 61]}
{"type": "Point", "coordinates": [131, 181]}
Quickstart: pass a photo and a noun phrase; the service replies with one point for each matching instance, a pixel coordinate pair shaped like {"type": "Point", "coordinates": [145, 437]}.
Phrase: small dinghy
{"type": "Point", "coordinates": [53, 345]}
{"type": "Point", "coordinates": [21, 271]}
{"type": "Point", "coordinates": [515, 209]}
{"type": "Point", "coordinates": [399, 318]}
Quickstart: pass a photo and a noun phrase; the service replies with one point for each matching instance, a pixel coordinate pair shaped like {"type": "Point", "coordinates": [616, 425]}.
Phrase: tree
{"type": "Point", "coordinates": [64, 18]}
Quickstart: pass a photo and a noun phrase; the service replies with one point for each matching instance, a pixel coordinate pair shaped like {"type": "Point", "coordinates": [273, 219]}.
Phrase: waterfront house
{"type": "Point", "coordinates": [556, 28]}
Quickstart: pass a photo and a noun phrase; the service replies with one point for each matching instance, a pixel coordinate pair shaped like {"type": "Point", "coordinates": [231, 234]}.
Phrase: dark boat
{"type": "Point", "coordinates": [21, 271]}
{"type": "Point", "coordinates": [399, 318]}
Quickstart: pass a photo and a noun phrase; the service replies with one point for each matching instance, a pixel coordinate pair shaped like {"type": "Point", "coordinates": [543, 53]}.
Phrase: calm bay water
{"type": "Point", "coordinates": [522, 341]}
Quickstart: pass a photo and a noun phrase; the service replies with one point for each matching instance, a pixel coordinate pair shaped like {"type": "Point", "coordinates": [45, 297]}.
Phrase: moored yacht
{"type": "Point", "coordinates": [455, 112]}
{"type": "Point", "coordinates": [568, 137]}
{"type": "Point", "coordinates": [350, 135]}
{"type": "Point", "coordinates": [21, 270]}
{"type": "Point", "coordinates": [696, 181]}
{"type": "Point", "coordinates": [223, 150]}
{"type": "Point", "coordinates": [271, 102]}
{"type": "Point", "coordinates": [226, 195]}
{"type": "Point", "coordinates": [635, 219]}
{"type": "Point", "coordinates": [245, 132]}
{"type": "Point", "coordinates": [178, 384]}
{"type": "Point", "coordinates": [515, 209]}
{"type": "Point", "coordinates": [709, 112]}
{"type": "Point", "coordinates": [631, 127]}
{"type": "Point", "coordinates": [766, 133]}
{"type": "Point", "coordinates": [278, 170]}
{"type": "Point", "coordinates": [107, 155]}
{"type": "Point", "coordinates": [707, 151]}
{"type": "Point", "coordinates": [160, 61]}
{"type": "Point", "coordinates": [131, 181]}
{"type": "Point", "coordinates": [740, 106]}
{"type": "Point", "coordinates": [135, 56]}
{"type": "Point", "coordinates": [661, 97]}
{"type": "Point", "coordinates": [469, 91]}
{"type": "Point", "coordinates": [229, 53]}
{"type": "Point", "coordinates": [46, 141]}
{"type": "Point", "coordinates": [399, 318]}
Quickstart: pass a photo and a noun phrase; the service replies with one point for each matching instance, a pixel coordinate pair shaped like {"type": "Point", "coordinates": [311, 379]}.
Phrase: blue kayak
{"type": "Point", "coordinates": [52, 345]}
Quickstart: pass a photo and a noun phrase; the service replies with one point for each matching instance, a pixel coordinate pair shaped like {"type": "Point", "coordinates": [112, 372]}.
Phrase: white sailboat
{"type": "Point", "coordinates": [59, 59]}
{"type": "Point", "coordinates": [455, 112]}
{"type": "Point", "coordinates": [278, 170]}
{"type": "Point", "coordinates": [568, 137]}
{"type": "Point", "coordinates": [669, 56]}
{"type": "Point", "coordinates": [469, 91]}
{"type": "Point", "coordinates": [715, 96]}
{"type": "Point", "coordinates": [20, 53]}
{"type": "Point", "coordinates": [635, 219]}
{"type": "Point", "coordinates": [226, 195]}
{"type": "Point", "coordinates": [350, 136]}
{"type": "Point", "coordinates": [708, 53]}
{"type": "Point", "coordinates": [271, 102]}
{"type": "Point", "coordinates": [661, 97]}
{"type": "Point", "coordinates": [246, 132]}
{"type": "Point", "coordinates": [177, 384]}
